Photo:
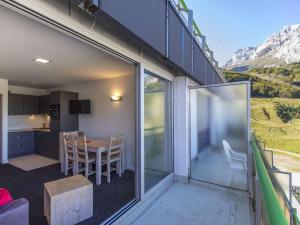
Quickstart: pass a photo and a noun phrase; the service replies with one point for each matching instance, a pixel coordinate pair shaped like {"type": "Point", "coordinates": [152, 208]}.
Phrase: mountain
{"type": "Point", "coordinates": [280, 48]}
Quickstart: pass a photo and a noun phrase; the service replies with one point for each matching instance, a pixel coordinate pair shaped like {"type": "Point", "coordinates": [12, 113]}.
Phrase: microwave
{"type": "Point", "coordinates": [55, 111]}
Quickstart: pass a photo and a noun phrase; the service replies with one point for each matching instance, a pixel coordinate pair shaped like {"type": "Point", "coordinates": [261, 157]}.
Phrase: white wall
{"type": "Point", "coordinates": [4, 94]}
{"type": "Point", "coordinates": [107, 117]}
{"type": "Point", "coordinates": [181, 126]}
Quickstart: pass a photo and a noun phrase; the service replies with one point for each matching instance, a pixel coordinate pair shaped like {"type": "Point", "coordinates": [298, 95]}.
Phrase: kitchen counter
{"type": "Point", "coordinates": [30, 129]}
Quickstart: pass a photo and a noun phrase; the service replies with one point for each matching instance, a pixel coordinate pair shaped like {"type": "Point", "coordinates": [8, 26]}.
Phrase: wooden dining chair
{"type": "Point", "coordinates": [85, 158]}
{"type": "Point", "coordinates": [114, 155]}
{"type": "Point", "coordinates": [70, 156]}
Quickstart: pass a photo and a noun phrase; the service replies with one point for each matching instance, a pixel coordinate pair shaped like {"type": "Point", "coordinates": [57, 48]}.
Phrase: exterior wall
{"type": "Point", "coordinates": [151, 15]}
{"type": "Point", "coordinates": [141, 17]}
{"type": "Point", "coordinates": [172, 39]}
{"type": "Point", "coordinates": [182, 127]}
{"type": "Point", "coordinates": [181, 141]}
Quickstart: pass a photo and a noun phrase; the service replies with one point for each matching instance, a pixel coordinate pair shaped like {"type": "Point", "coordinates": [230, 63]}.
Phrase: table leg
{"type": "Point", "coordinates": [98, 168]}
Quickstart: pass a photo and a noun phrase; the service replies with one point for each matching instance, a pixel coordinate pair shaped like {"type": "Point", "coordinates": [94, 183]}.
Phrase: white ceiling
{"type": "Point", "coordinates": [23, 39]}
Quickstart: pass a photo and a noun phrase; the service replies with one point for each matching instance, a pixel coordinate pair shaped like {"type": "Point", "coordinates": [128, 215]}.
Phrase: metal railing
{"type": "Point", "coordinates": [201, 39]}
{"type": "Point", "coordinates": [273, 190]}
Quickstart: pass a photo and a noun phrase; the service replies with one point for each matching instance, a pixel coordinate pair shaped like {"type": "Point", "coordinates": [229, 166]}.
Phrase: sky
{"type": "Point", "coordinates": [233, 24]}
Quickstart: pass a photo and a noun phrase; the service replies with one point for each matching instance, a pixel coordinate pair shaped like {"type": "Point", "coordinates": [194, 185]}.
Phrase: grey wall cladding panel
{"type": "Point", "coordinates": [187, 51]}
{"type": "Point", "coordinates": [209, 73]}
{"type": "Point", "coordinates": [217, 79]}
{"type": "Point", "coordinates": [199, 64]}
{"type": "Point", "coordinates": [175, 38]}
{"type": "Point", "coordinates": [146, 19]}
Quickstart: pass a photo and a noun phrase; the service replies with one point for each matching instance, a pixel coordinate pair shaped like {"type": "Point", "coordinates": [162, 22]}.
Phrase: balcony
{"type": "Point", "coordinates": [199, 203]}
{"type": "Point", "coordinates": [272, 201]}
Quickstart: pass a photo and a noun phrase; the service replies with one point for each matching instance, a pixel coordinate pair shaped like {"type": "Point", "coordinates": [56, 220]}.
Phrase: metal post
{"type": "Point", "coordinates": [190, 20]}
{"type": "Point", "coordinates": [257, 202]}
{"type": "Point", "coordinates": [203, 38]}
{"type": "Point", "coordinates": [217, 64]}
{"type": "Point", "coordinates": [211, 56]}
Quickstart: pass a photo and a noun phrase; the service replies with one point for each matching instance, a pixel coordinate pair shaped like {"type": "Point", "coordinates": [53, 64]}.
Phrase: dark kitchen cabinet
{"type": "Point", "coordinates": [46, 144]}
{"type": "Point", "coordinates": [30, 105]}
{"type": "Point", "coordinates": [44, 104]}
{"type": "Point", "coordinates": [23, 104]}
{"type": "Point", "coordinates": [20, 143]}
{"type": "Point", "coordinates": [61, 118]}
{"type": "Point", "coordinates": [15, 104]}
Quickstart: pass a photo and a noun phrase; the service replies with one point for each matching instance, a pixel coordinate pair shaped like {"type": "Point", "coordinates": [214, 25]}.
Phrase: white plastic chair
{"type": "Point", "coordinates": [236, 160]}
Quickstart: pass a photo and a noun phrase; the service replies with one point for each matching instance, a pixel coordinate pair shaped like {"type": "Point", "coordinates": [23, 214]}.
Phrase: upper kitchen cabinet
{"type": "Point", "coordinates": [19, 104]}
{"type": "Point", "coordinates": [44, 104]}
{"type": "Point", "coordinates": [15, 104]}
{"type": "Point", "coordinates": [30, 105]}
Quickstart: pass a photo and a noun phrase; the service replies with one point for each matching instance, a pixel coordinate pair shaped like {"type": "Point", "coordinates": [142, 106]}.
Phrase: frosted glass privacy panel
{"type": "Point", "coordinates": [219, 134]}
{"type": "Point", "coordinates": [157, 130]}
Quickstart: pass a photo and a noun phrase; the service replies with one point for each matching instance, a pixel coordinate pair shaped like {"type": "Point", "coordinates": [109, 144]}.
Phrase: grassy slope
{"type": "Point", "coordinates": [273, 131]}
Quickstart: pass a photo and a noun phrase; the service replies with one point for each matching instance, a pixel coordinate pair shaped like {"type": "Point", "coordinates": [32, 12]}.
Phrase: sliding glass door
{"type": "Point", "coordinates": [158, 129]}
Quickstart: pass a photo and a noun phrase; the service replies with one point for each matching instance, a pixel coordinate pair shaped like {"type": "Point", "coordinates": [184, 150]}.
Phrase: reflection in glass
{"type": "Point", "coordinates": [157, 125]}
{"type": "Point", "coordinates": [219, 135]}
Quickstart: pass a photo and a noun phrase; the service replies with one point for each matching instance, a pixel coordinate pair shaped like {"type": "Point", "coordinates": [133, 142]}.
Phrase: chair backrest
{"type": "Point", "coordinates": [115, 146]}
{"type": "Point", "coordinates": [81, 147]}
{"type": "Point", "coordinates": [69, 143]}
{"type": "Point", "coordinates": [227, 149]}
{"type": "Point", "coordinates": [80, 133]}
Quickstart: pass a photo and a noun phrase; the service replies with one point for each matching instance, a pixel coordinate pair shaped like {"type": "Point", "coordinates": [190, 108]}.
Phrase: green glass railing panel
{"type": "Point", "coordinates": [274, 211]}
{"type": "Point", "coordinates": [295, 217]}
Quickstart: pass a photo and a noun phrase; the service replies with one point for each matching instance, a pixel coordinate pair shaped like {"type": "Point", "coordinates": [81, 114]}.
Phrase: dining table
{"type": "Point", "coordinates": [99, 147]}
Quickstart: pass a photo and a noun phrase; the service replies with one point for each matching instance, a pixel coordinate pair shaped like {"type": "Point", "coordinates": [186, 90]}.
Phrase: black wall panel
{"type": "Point", "coordinates": [187, 51]}
{"type": "Point", "coordinates": [209, 73]}
{"type": "Point", "coordinates": [199, 64]}
{"type": "Point", "coordinates": [219, 79]}
{"type": "Point", "coordinates": [147, 19]}
{"type": "Point", "coordinates": [175, 38]}
{"type": "Point", "coordinates": [216, 80]}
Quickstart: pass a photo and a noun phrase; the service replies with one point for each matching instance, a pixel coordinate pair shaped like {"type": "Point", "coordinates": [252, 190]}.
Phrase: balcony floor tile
{"type": "Point", "coordinates": [189, 204]}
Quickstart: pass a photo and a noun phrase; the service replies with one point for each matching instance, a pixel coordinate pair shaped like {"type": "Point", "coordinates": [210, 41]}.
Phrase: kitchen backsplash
{"type": "Point", "coordinates": [27, 122]}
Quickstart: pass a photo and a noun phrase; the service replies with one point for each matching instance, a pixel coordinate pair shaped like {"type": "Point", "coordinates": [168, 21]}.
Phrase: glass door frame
{"type": "Point", "coordinates": [166, 181]}
{"type": "Point", "coordinates": [249, 151]}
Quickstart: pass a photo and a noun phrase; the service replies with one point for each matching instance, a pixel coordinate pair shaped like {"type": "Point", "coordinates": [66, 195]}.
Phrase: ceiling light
{"type": "Point", "coordinates": [41, 60]}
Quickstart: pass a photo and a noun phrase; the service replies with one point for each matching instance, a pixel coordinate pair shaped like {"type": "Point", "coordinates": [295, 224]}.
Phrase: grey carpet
{"type": "Point", "coordinates": [108, 198]}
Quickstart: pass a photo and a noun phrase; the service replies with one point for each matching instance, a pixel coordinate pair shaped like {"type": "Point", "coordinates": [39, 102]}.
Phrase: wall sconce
{"type": "Point", "coordinates": [116, 98]}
